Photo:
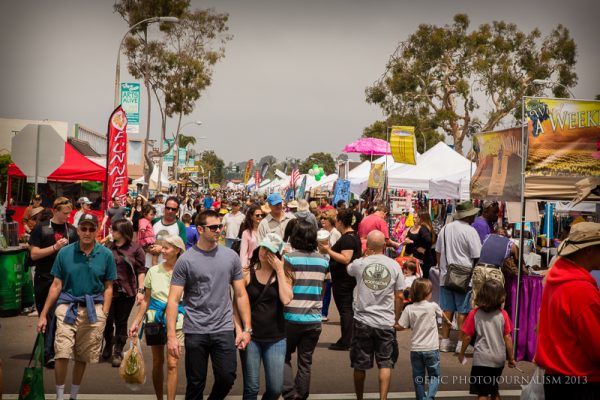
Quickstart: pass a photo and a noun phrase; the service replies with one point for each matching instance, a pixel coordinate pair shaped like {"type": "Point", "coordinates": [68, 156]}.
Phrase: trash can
{"type": "Point", "coordinates": [11, 276]}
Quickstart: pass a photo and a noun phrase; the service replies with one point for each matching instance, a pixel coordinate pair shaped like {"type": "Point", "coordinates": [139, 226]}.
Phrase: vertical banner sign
{"type": "Point", "coordinates": [169, 158]}
{"type": "Point", "coordinates": [257, 179]}
{"type": "Point", "coordinates": [563, 145]}
{"type": "Point", "coordinates": [342, 191]}
{"type": "Point", "coordinates": [498, 173]}
{"type": "Point", "coordinates": [130, 101]}
{"type": "Point", "coordinates": [376, 176]}
{"type": "Point", "coordinates": [249, 165]}
{"type": "Point", "coordinates": [116, 157]}
{"type": "Point", "coordinates": [181, 156]}
{"type": "Point", "coordinates": [403, 144]}
{"type": "Point", "coordinates": [302, 188]}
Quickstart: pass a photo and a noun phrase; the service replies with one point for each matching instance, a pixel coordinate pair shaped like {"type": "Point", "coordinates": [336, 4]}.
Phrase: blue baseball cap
{"type": "Point", "coordinates": [274, 199]}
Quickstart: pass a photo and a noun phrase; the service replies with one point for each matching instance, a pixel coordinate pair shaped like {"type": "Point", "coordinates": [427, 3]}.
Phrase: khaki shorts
{"type": "Point", "coordinates": [81, 341]}
{"type": "Point", "coordinates": [481, 274]}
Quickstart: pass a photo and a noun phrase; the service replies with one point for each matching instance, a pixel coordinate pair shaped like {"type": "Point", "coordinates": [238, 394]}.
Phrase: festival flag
{"type": "Point", "coordinates": [294, 177]}
{"type": "Point", "coordinates": [376, 176]}
{"type": "Point", "coordinates": [302, 188]}
{"type": "Point", "coordinates": [116, 157]}
{"type": "Point", "coordinates": [257, 179]}
{"type": "Point", "coordinates": [263, 170]}
{"type": "Point", "coordinates": [403, 144]}
{"type": "Point", "coordinates": [249, 165]}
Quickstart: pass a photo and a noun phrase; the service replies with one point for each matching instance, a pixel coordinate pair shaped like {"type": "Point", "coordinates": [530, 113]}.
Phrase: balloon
{"type": "Point", "coordinates": [321, 171]}
{"type": "Point", "coordinates": [315, 166]}
{"type": "Point", "coordinates": [316, 171]}
{"type": "Point", "coordinates": [318, 178]}
{"type": "Point", "coordinates": [311, 172]}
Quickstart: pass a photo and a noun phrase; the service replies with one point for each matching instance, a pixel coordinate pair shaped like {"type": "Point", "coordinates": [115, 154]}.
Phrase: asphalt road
{"type": "Point", "coordinates": [331, 372]}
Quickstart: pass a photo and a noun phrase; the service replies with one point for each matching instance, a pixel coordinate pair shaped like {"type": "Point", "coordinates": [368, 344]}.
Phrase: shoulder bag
{"type": "Point", "coordinates": [458, 276]}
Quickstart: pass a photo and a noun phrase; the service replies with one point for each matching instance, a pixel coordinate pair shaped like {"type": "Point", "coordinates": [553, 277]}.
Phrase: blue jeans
{"type": "Point", "coordinates": [230, 242]}
{"type": "Point", "coordinates": [272, 355]}
{"type": "Point", "coordinates": [326, 299]}
{"type": "Point", "coordinates": [421, 361]}
{"type": "Point", "coordinates": [220, 346]}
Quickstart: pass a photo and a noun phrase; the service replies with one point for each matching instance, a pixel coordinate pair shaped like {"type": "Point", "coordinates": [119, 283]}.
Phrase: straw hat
{"type": "Point", "coordinates": [35, 211]}
{"type": "Point", "coordinates": [174, 241]}
{"type": "Point", "coordinates": [265, 208]}
{"type": "Point", "coordinates": [582, 235]}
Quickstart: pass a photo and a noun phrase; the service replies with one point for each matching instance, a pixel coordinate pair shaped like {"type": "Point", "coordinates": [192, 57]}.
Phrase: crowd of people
{"type": "Point", "coordinates": [219, 273]}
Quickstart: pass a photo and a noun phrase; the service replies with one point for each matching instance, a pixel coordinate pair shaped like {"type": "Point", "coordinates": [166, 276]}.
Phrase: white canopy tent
{"type": "Point", "coordinates": [359, 176]}
{"type": "Point", "coordinates": [153, 184]}
{"type": "Point", "coordinates": [437, 164]}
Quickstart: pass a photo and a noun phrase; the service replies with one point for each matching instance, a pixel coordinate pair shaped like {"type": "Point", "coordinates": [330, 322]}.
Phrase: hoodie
{"type": "Point", "coordinates": [569, 322]}
{"type": "Point", "coordinates": [307, 216]}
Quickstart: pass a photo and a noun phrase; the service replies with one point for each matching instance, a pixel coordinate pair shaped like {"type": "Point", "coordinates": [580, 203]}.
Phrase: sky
{"type": "Point", "coordinates": [293, 78]}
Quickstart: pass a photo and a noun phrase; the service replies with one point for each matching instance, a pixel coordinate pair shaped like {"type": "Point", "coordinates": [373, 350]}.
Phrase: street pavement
{"type": "Point", "coordinates": [331, 372]}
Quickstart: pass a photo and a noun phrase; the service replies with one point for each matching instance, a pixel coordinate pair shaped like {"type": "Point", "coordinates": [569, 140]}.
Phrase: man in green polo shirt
{"type": "Point", "coordinates": [82, 288]}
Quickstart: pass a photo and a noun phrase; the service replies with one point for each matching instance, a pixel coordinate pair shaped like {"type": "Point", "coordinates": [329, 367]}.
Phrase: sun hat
{"type": "Point", "coordinates": [272, 242]}
{"type": "Point", "coordinates": [293, 204]}
{"type": "Point", "coordinates": [84, 200]}
{"type": "Point", "coordinates": [303, 205]}
{"type": "Point", "coordinates": [35, 211]}
{"type": "Point", "coordinates": [582, 235]}
{"type": "Point", "coordinates": [274, 199]}
{"type": "Point", "coordinates": [174, 241]}
{"type": "Point", "coordinates": [265, 208]}
{"type": "Point", "coordinates": [465, 209]}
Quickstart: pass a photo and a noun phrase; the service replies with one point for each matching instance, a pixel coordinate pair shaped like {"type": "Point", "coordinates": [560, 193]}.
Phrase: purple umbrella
{"type": "Point", "coordinates": [370, 146]}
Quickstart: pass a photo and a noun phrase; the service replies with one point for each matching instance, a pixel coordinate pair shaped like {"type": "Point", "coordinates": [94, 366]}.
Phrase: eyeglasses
{"type": "Point", "coordinates": [214, 228]}
{"type": "Point", "coordinates": [86, 230]}
{"type": "Point", "coordinates": [259, 215]}
{"type": "Point", "coordinates": [171, 208]}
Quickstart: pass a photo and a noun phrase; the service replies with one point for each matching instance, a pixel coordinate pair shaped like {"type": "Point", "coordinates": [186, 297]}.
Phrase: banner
{"type": "Point", "coordinates": [130, 101]}
{"type": "Point", "coordinates": [341, 191]}
{"type": "Point", "coordinates": [376, 176]}
{"type": "Point", "coordinates": [302, 189]}
{"type": "Point", "coordinates": [256, 179]}
{"type": "Point", "coordinates": [564, 137]}
{"type": "Point", "coordinates": [116, 157]}
{"type": "Point", "coordinates": [248, 170]}
{"type": "Point", "coordinates": [499, 164]}
{"type": "Point", "coordinates": [403, 144]}
{"type": "Point", "coordinates": [170, 156]}
{"type": "Point", "coordinates": [181, 156]}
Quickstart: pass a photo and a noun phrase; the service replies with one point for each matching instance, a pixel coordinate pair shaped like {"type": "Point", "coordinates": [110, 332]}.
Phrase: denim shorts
{"type": "Point", "coordinates": [369, 343]}
{"type": "Point", "coordinates": [454, 301]}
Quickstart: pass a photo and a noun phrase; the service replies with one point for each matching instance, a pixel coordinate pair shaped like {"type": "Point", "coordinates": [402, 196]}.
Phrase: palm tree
{"type": "Point", "coordinates": [184, 141]}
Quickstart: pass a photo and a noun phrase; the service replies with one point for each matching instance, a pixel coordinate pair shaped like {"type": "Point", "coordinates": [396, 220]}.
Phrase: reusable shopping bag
{"type": "Point", "coordinates": [32, 384]}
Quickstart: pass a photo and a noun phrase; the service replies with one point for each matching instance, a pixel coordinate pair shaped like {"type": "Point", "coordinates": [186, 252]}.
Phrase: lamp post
{"type": "Point", "coordinates": [118, 68]}
{"type": "Point", "coordinates": [551, 83]}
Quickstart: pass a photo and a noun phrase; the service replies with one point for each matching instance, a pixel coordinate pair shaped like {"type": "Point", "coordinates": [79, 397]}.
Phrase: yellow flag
{"type": "Point", "coordinates": [376, 176]}
{"type": "Point", "coordinates": [403, 144]}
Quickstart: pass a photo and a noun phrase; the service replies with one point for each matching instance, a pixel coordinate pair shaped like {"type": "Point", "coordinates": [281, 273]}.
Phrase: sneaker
{"type": "Point", "coordinates": [50, 363]}
{"type": "Point", "coordinates": [116, 360]}
{"type": "Point", "coordinates": [34, 313]}
{"type": "Point", "coordinates": [107, 352]}
{"type": "Point", "coordinates": [338, 347]}
{"type": "Point", "coordinates": [324, 318]}
{"type": "Point", "coordinates": [445, 346]}
{"type": "Point", "coordinates": [470, 350]}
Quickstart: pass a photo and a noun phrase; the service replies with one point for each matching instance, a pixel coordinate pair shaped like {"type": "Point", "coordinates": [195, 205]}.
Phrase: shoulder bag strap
{"type": "Point", "coordinates": [445, 248]}
{"type": "Point", "coordinates": [264, 291]}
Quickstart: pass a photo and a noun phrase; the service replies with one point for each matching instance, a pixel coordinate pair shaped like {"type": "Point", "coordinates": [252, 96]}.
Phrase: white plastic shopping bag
{"type": "Point", "coordinates": [534, 390]}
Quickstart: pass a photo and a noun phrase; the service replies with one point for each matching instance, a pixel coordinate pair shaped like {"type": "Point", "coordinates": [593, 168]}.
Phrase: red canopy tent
{"type": "Point", "coordinates": [76, 167]}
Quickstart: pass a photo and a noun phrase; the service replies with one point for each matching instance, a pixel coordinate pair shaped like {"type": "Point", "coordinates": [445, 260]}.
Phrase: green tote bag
{"type": "Point", "coordinates": [32, 385]}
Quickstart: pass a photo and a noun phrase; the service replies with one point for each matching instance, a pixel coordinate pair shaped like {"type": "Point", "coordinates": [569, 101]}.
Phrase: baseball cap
{"type": "Point", "coordinates": [274, 199]}
{"type": "Point", "coordinates": [84, 200]}
{"type": "Point", "coordinates": [89, 219]}
{"type": "Point", "coordinates": [272, 242]}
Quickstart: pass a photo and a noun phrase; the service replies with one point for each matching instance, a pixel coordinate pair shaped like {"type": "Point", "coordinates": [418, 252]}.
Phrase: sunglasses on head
{"type": "Point", "coordinates": [86, 230]}
{"type": "Point", "coordinates": [214, 228]}
{"type": "Point", "coordinates": [171, 208]}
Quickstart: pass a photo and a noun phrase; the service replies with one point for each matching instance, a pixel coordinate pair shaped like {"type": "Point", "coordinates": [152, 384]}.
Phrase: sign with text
{"type": "Point", "coordinates": [116, 158]}
{"type": "Point", "coordinates": [403, 144]}
{"type": "Point", "coordinates": [130, 101]}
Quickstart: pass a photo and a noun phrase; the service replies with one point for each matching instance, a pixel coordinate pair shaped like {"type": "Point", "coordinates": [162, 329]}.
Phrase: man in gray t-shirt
{"type": "Point", "coordinates": [378, 302]}
{"type": "Point", "coordinates": [203, 275]}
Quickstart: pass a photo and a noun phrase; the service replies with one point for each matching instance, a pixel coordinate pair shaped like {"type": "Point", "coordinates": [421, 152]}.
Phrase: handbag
{"type": "Point", "coordinates": [458, 276]}
{"type": "Point", "coordinates": [32, 384]}
{"type": "Point", "coordinates": [156, 334]}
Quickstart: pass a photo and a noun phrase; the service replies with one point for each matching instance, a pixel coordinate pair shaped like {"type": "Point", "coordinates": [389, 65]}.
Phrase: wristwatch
{"type": "Point", "coordinates": [248, 330]}
{"type": "Point", "coordinates": [142, 291]}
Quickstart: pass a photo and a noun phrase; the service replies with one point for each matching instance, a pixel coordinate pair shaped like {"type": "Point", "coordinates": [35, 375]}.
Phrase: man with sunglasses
{"type": "Point", "coordinates": [82, 290]}
{"type": "Point", "coordinates": [276, 220]}
{"type": "Point", "coordinates": [45, 241]}
{"type": "Point", "coordinates": [166, 225]}
{"type": "Point", "coordinates": [203, 275]}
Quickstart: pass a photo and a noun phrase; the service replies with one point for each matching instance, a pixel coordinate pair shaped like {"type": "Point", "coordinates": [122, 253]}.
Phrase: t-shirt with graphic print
{"type": "Point", "coordinates": [377, 277]}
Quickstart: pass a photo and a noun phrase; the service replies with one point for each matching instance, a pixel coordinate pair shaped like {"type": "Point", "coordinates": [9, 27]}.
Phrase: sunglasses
{"type": "Point", "coordinates": [86, 230]}
{"type": "Point", "coordinates": [214, 228]}
{"type": "Point", "coordinates": [171, 208]}
{"type": "Point", "coordinates": [259, 215]}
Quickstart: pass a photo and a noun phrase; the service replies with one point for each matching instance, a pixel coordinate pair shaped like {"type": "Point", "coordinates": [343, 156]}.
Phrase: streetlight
{"type": "Point", "coordinates": [118, 69]}
{"type": "Point", "coordinates": [551, 83]}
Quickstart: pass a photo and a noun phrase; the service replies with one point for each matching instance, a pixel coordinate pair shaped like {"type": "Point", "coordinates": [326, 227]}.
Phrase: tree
{"type": "Point", "coordinates": [177, 67]}
{"type": "Point", "coordinates": [440, 74]}
{"type": "Point", "coordinates": [185, 141]}
{"type": "Point", "coordinates": [210, 162]}
{"type": "Point", "coordinates": [323, 160]}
